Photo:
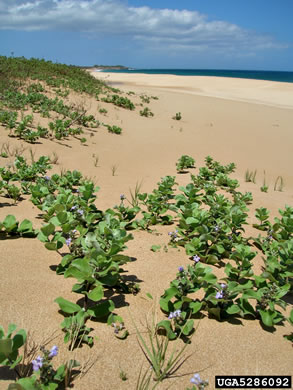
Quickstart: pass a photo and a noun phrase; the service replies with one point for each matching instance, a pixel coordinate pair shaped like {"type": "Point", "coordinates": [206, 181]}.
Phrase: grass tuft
{"type": "Point", "coordinates": [250, 176]}
{"type": "Point", "coordinates": [279, 184]}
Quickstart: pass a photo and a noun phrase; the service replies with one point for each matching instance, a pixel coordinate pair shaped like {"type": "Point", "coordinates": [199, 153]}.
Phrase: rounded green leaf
{"type": "Point", "coordinates": [15, 386]}
{"type": "Point", "coordinates": [267, 317]}
{"type": "Point", "coordinates": [233, 309]}
{"type": "Point", "coordinates": [212, 259]}
{"type": "Point", "coordinates": [102, 309]}
{"type": "Point", "coordinates": [6, 347]}
{"type": "Point", "coordinates": [25, 226]}
{"type": "Point", "coordinates": [10, 223]}
{"type": "Point", "coordinates": [215, 311]}
{"type": "Point", "coordinates": [48, 229]}
{"type": "Point", "coordinates": [166, 305]}
{"type": "Point", "coordinates": [59, 208]}
{"type": "Point", "coordinates": [19, 339]}
{"type": "Point", "coordinates": [195, 307]}
{"type": "Point", "coordinates": [166, 324]}
{"type": "Point", "coordinates": [155, 248]}
{"type": "Point", "coordinates": [73, 272]}
{"type": "Point", "coordinates": [62, 217]}
{"type": "Point", "coordinates": [191, 220]}
{"type": "Point", "coordinates": [188, 327]}
{"type": "Point", "coordinates": [67, 306]}
{"type": "Point", "coordinates": [96, 294]}
{"type": "Point", "coordinates": [51, 246]}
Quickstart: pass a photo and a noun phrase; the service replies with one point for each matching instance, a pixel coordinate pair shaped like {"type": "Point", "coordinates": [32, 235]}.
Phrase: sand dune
{"type": "Point", "coordinates": [256, 91]}
{"type": "Point", "coordinates": [243, 121]}
{"type": "Point", "coordinates": [220, 117]}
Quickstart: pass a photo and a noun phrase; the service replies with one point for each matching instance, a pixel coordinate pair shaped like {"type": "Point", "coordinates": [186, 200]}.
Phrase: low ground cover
{"type": "Point", "coordinates": [36, 90]}
{"type": "Point", "coordinates": [209, 226]}
{"type": "Point", "coordinates": [208, 216]}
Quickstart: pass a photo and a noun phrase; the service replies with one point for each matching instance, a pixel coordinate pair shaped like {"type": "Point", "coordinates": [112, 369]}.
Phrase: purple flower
{"type": "Point", "coordinates": [68, 241]}
{"type": "Point", "coordinates": [196, 379]}
{"type": "Point", "coordinates": [122, 197]}
{"type": "Point", "coordinates": [175, 314]}
{"type": "Point", "coordinates": [47, 178]}
{"type": "Point", "coordinates": [180, 269]}
{"type": "Point", "coordinates": [223, 286]}
{"type": "Point", "coordinates": [73, 208]}
{"type": "Point", "coordinates": [217, 228]}
{"type": "Point", "coordinates": [53, 351]}
{"type": "Point", "coordinates": [37, 363]}
{"type": "Point", "coordinates": [80, 212]}
{"type": "Point", "coordinates": [196, 258]}
{"type": "Point", "coordinates": [219, 295]}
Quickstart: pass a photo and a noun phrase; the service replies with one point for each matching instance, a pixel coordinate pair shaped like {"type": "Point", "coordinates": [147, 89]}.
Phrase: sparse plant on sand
{"type": "Point", "coordinates": [250, 176]}
{"type": "Point", "coordinates": [96, 160]}
{"type": "Point", "coordinates": [264, 187]}
{"type": "Point", "coordinates": [123, 375]}
{"type": "Point", "coordinates": [146, 112]}
{"type": "Point", "coordinates": [54, 159]}
{"type": "Point", "coordinates": [178, 116]}
{"type": "Point", "coordinates": [145, 99]}
{"type": "Point", "coordinates": [103, 111]}
{"type": "Point", "coordinates": [134, 194]}
{"type": "Point", "coordinates": [114, 129]}
{"type": "Point", "coordinates": [185, 162]}
{"type": "Point", "coordinates": [32, 155]}
{"type": "Point", "coordinates": [164, 363]}
{"type": "Point", "coordinates": [114, 169]}
{"type": "Point", "coordinates": [119, 101]}
{"type": "Point", "coordinates": [5, 150]}
{"type": "Point", "coordinates": [279, 184]}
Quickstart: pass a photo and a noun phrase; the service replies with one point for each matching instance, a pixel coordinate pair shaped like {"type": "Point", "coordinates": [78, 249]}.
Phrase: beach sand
{"type": "Point", "coordinates": [247, 122]}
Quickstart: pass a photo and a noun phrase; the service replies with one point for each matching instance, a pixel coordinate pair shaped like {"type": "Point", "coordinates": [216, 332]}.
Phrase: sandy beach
{"type": "Point", "coordinates": [270, 93]}
{"type": "Point", "coordinates": [247, 122]}
{"type": "Point", "coordinates": [239, 120]}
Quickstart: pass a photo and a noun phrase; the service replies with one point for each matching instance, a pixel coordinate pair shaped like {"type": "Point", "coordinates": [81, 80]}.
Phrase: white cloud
{"type": "Point", "coordinates": [163, 28]}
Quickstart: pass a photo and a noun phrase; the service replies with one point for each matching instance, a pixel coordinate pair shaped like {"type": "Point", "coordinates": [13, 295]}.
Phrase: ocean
{"type": "Point", "coordinates": [285, 77]}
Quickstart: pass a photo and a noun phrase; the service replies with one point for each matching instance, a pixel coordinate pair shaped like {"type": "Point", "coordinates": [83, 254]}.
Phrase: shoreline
{"type": "Point", "coordinates": [270, 93]}
{"type": "Point", "coordinates": [244, 121]}
{"type": "Point", "coordinates": [263, 75]}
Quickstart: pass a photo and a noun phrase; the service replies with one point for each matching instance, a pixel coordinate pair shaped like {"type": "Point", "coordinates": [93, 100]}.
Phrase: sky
{"type": "Point", "coordinates": [190, 34]}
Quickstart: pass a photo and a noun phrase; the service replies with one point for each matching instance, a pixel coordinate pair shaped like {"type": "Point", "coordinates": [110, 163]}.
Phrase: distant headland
{"type": "Point", "coordinates": [111, 67]}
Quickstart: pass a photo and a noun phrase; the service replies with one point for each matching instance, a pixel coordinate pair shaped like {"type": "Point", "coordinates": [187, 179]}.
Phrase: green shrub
{"type": "Point", "coordinates": [184, 162]}
{"type": "Point", "coordinates": [114, 129]}
{"type": "Point", "coordinates": [146, 112]}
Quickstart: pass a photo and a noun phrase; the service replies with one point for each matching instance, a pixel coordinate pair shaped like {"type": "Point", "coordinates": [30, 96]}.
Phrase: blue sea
{"type": "Point", "coordinates": [286, 77]}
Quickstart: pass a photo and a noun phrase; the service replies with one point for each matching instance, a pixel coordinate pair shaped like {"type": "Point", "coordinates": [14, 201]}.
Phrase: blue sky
{"type": "Point", "coordinates": [209, 34]}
